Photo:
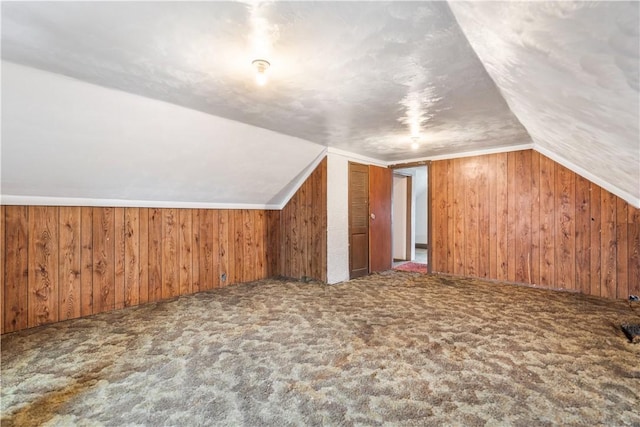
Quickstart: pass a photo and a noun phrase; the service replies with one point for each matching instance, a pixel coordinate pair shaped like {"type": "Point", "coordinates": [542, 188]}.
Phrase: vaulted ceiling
{"type": "Point", "coordinates": [358, 76]}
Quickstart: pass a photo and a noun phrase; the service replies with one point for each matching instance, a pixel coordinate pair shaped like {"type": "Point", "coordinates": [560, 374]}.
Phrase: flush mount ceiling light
{"type": "Point", "coordinates": [414, 142]}
{"type": "Point", "coordinates": [261, 66]}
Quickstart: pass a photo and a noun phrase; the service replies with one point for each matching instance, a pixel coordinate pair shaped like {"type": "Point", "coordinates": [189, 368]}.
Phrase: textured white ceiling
{"type": "Point", "coordinates": [352, 75]}
{"type": "Point", "coordinates": [358, 76]}
{"type": "Point", "coordinates": [569, 71]}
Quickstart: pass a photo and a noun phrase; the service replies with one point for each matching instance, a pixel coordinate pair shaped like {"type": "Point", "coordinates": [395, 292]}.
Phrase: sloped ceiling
{"type": "Point", "coordinates": [358, 76]}
{"type": "Point", "coordinates": [569, 71]}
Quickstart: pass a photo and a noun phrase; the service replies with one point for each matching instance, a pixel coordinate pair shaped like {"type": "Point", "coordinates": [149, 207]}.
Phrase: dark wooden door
{"type": "Point", "coordinates": [380, 190]}
{"type": "Point", "coordinates": [358, 220]}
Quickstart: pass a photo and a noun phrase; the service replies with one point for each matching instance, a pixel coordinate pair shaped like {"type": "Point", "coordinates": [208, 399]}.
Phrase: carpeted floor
{"type": "Point", "coordinates": [395, 348]}
{"type": "Point", "coordinates": [412, 267]}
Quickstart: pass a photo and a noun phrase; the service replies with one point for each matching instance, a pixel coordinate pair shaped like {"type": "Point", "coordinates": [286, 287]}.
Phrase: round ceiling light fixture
{"type": "Point", "coordinates": [414, 142]}
{"type": "Point", "coordinates": [261, 66]}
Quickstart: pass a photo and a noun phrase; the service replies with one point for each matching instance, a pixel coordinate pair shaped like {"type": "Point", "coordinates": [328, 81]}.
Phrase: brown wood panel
{"type": "Point", "coordinates": [535, 218]}
{"type": "Point", "coordinates": [459, 183]}
{"type": "Point", "coordinates": [155, 255]}
{"type": "Point", "coordinates": [622, 249]}
{"type": "Point", "coordinates": [195, 265]}
{"type": "Point", "coordinates": [43, 265]}
{"type": "Point", "coordinates": [132, 257]}
{"type": "Point", "coordinates": [438, 199]}
{"type": "Point", "coordinates": [103, 259]}
{"type": "Point", "coordinates": [86, 261]}
{"type": "Point", "coordinates": [170, 254]}
{"type": "Point", "coordinates": [70, 266]}
{"type": "Point", "coordinates": [547, 222]}
{"type": "Point", "coordinates": [583, 236]}
{"type": "Point", "coordinates": [511, 216]}
{"type": "Point", "coordinates": [260, 229]}
{"type": "Point", "coordinates": [595, 207]}
{"type": "Point", "coordinates": [16, 284]}
{"type": "Point", "coordinates": [522, 180]}
{"type": "Point", "coordinates": [302, 219]}
{"type": "Point", "coordinates": [502, 212]}
{"type": "Point", "coordinates": [380, 188]}
{"type": "Point", "coordinates": [143, 263]}
{"type": "Point", "coordinates": [273, 243]}
{"type": "Point", "coordinates": [120, 261]}
{"type": "Point", "coordinates": [206, 249]}
{"type": "Point", "coordinates": [608, 245]}
{"type": "Point", "coordinates": [223, 245]}
{"type": "Point", "coordinates": [450, 215]}
{"type": "Point", "coordinates": [248, 250]}
{"type": "Point", "coordinates": [493, 215]}
{"type": "Point", "coordinates": [633, 250]}
{"type": "Point", "coordinates": [215, 256]}
{"type": "Point", "coordinates": [323, 218]}
{"type": "Point", "coordinates": [484, 226]}
{"type": "Point", "coordinates": [185, 258]}
{"type": "Point", "coordinates": [238, 244]}
{"type": "Point", "coordinates": [565, 228]}
{"type": "Point", "coordinates": [3, 250]}
{"type": "Point", "coordinates": [470, 230]}
{"type": "Point", "coordinates": [231, 250]}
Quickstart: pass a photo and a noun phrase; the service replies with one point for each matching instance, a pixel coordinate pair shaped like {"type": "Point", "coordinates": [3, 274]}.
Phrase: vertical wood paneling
{"type": "Point", "coordinates": [608, 245]}
{"type": "Point", "coordinates": [206, 250]}
{"type": "Point", "coordinates": [66, 262]}
{"type": "Point", "coordinates": [546, 225]}
{"type": "Point", "coordinates": [132, 257]}
{"type": "Point", "coordinates": [3, 250]}
{"type": "Point", "coordinates": [16, 268]}
{"type": "Point", "coordinates": [535, 218]}
{"type": "Point", "coordinates": [273, 243]}
{"type": "Point", "coordinates": [511, 217]}
{"type": "Point", "coordinates": [170, 261]}
{"type": "Point", "coordinates": [522, 218]}
{"type": "Point", "coordinates": [103, 259]}
{"type": "Point", "coordinates": [547, 222]}
{"type": "Point", "coordinates": [622, 249]}
{"type": "Point", "coordinates": [459, 217]}
{"type": "Point", "coordinates": [86, 261]}
{"type": "Point", "coordinates": [143, 249]}
{"type": "Point", "coordinates": [120, 262]}
{"type": "Point", "coordinates": [43, 265]}
{"type": "Point", "coordinates": [185, 244]}
{"type": "Point", "coordinates": [155, 255]}
{"type": "Point", "coordinates": [502, 212]}
{"type": "Point", "coordinates": [595, 206]}
{"type": "Point", "coordinates": [583, 236]}
{"type": "Point", "coordinates": [633, 249]}
{"type": "Point", "coordinates": [565, 228]}
{"type": "Point", "coordinates": [303, 229]}
{"type": "Point", "coordinates": [70, 266]}
{"type": "Point", "coordinates": [195, 273]}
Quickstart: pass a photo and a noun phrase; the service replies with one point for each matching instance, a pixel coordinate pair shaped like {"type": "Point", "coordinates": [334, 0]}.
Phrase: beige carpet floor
{"type": "Point", "coordinates": [390, 349]}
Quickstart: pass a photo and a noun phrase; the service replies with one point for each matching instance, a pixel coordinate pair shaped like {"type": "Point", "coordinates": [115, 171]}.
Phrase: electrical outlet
{"type": "Point", "coordinates": [223, 277]}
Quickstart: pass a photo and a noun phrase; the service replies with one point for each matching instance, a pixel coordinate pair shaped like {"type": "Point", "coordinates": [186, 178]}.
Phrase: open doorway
{"type": "Point", "coordinates": [409, 216]}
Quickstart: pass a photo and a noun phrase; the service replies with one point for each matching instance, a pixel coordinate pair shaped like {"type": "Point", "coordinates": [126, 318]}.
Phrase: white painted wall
{"type": "Point", "coordinates": [338, 212]}
{"type": "Point", "coordinates": [69, 142]}
{"type": "Point", "coordinates": [420, 193]}
{"type": "Point", "coordinates": [399, 217]}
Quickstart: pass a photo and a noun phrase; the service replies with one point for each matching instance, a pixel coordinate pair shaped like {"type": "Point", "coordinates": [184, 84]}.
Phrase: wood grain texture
{"type": "Point", "coordinates": [155, 255]}
{"type": "Point", "coordinates": [119, 260]}
{"type": "Point", "coordinates": [302, 230]}
{"type": "Point", "coordinates": [43, 265]}
{"type": "Point", "coordinates": [67, 262]}
{"type": "Point", "coordinates": [547, 226]}
{"type": "Point", "coordinates": [3, 250]}
{"type": "Point", "coordinates": [69, 287]}
{"type": "Point", "coordinates": [103, 260]}
{"type": "Point", "coordinates": [380, 188]}
{"type": "Point", "coordinates": [132, 257]}
{"type": "Point", "coordinates": [16, 268]}
{"type": "Point", "coordinates": [86, 261]}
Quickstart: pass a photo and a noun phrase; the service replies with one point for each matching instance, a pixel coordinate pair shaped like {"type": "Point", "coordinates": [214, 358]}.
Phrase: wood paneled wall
{"type": "Point", "coordinates": [65, 262]}
{"type": "Point", "coordinates": [521, 217]}
{"type": "Point", "coordinates": [304, 229]}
